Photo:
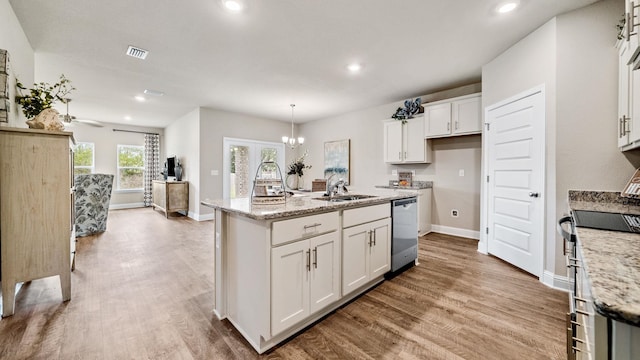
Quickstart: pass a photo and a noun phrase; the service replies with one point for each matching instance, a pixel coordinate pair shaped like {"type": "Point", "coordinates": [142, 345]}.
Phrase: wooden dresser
{"type": "Point", "coordinates": [171, 196]}
{"type": "Point", "coordinates": [37, 224]}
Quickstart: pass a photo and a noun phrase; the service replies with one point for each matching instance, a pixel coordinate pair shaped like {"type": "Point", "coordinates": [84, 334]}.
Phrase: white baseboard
{"type": "Point", "coordinates": [448, 230]}
{"type": "Point", "coordinates": [201, 217]}
{"type": "Point", "coordinates": [125, 206]}
{"type": "Point", "coordinates": [555, 281]}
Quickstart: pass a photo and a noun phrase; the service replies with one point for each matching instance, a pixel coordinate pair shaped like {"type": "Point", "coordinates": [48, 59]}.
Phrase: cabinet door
{"type": "Point", "coordinates": [437, 120]}
{"type": "Point", "coordinates": [466, 116]}
{"type": "Point", "coordinates": [355, 256]}
{"type": "Point", "coordinates": [380, 249]}
{"type": "Point", "coordinates": [324, 282]}
{"type": "Point", "coordinates": [393, 141]}
{"type": "Point", "coordinates": [624, 94]}
{"type": "Point", "coordinates": [289, 285]}
{"type": "Point", "coordinates": [414, 142]}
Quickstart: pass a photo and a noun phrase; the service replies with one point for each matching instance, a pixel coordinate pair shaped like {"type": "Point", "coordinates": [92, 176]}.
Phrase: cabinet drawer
{"type": "Point", "coordinates": [303, 227]}
{"type": "Point", "coordinates": [366, 214]}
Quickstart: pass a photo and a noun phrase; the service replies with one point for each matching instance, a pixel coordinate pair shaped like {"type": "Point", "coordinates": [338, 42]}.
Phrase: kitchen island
{"type": "Point", "coordinates": [607, 306]}
{"type": "Point", "coordinates": [279, 268]}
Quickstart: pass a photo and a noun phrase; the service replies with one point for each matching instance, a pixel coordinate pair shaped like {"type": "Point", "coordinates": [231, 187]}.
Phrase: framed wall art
{"type": "Point", "coordinates": [336, 159]}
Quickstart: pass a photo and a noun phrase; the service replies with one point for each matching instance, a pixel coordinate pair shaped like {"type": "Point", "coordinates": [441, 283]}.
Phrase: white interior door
{"type": "Point", "coordinates": [515, 171]}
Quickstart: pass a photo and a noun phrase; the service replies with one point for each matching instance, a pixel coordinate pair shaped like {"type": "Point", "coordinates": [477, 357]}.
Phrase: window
{"type": "Point", "coordinates": [130, 167]}
{"type": "Point", "coordinates": [83, 159]}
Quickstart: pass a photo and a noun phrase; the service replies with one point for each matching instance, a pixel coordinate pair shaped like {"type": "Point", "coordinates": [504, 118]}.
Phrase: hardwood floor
{"type": "Point", "coordinates": [144, 290]}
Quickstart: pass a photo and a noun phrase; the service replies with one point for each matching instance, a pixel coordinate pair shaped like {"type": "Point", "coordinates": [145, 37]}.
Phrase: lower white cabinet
{"type": "Point", "coordinates": [366, 253]}
{"type": "Point", "coordinates": [305, 278]}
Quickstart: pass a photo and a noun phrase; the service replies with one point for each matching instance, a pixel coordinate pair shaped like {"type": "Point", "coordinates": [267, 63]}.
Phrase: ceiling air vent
{"type": "Point", "coordinates": [137, 52]}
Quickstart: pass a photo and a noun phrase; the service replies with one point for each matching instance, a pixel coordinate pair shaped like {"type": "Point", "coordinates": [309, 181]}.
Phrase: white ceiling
{"type": "Point", "coordinates": [276, 53]}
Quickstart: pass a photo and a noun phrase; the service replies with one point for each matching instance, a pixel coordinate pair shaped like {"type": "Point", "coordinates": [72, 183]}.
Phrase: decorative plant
{"type": "Point", "coordinates": [410, 108]}
{"type": "Point", "coordinates": [297, 166]}
{"type": "Point", "coordinates": [621, 27]}
{"type": "Point", "coordinates": [42, 96]}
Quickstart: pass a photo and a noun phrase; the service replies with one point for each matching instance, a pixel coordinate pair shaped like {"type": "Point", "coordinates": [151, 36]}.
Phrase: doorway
{"type": "Point", "coordinates": [241, 160]}
{"type": "Point", "coordinates": [514, 148]}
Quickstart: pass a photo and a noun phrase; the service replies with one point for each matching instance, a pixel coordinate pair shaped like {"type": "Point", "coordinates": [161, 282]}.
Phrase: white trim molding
{"type": "Point", "coordinates": [201, 217]}
{"type": "Point", "coordinates": [126, 206]}
{"type": "Point", "coordinates": [555, 281]}
{"type": "Point", "coordinates": [448, 230]}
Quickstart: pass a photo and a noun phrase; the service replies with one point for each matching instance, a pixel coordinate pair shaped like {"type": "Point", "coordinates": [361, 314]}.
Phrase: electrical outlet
{"type": "Point", "coordinates": [413, 172]}
{"type": "Point", "coordinates": [394, 172]}
{"type": "Point", "coordinates": [215, 173]}
{"type": "Point", "coordinates": [461, 172]}
{"type": "Point", "coordinates": [454, 213]}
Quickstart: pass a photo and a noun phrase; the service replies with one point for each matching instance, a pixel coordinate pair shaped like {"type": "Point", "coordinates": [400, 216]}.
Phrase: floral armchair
{"type": "Point", "coordinates": [93, 193]}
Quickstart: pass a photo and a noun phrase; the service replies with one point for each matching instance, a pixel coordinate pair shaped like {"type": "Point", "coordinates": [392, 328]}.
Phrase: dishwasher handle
{"type": "Point", "coordinates": [404, 202]}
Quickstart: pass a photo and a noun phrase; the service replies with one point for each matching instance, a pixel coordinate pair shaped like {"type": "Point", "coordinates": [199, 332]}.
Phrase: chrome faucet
{"type": "Point", "coordinates": [328, 185]}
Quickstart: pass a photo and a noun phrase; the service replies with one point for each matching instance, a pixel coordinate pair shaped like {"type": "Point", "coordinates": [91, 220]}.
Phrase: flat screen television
{"type": "Point", "coordinates": [171, 164]}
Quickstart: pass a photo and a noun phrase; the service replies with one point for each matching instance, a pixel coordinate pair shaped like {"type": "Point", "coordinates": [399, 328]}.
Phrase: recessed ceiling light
{"type": "Point", "coordinates": [507, 7]}
{"type": "Point", "coordinates": [232, 5]}
{"type": "Point", "coordinates": [354, 67]}
{"type": "Point", "coordinates": [153, 92]}
{"type": "Point", "coordinates": [127, 117]}
{"type": "Point", "coordinates": [140, 98]}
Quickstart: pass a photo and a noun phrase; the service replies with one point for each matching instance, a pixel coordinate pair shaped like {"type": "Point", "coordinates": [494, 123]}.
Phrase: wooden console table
{"type": "Point", "coordinates": [171, 196]}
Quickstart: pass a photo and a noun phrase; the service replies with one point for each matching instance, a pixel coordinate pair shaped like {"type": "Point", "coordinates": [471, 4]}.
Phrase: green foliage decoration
{"type": "Point", "coordinates": [42, 96]}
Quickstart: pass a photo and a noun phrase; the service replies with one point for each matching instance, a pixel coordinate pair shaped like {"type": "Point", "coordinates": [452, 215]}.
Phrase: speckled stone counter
{"type": "Point", "coordinates": [610, 258]}
{"type": "Point", "coordinates": [417, 185]}
{"type": "Point", "coordinates": [306, 204]}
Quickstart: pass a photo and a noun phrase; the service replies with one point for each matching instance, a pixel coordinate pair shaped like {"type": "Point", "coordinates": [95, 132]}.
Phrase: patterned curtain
{"type": "Point", "coordinates": [151, 165]}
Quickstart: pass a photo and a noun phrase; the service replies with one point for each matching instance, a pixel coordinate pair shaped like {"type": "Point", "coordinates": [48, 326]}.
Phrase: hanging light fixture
{"type": "Point", "coordinates": [291, 141]}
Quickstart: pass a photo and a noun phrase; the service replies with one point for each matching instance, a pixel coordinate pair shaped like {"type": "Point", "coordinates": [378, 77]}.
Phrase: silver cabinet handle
{"type": "Point", "coordinates": [625, 121]}
{"type": "Point", "coordinates": [369, 235]}
{"type": "Point", "coordinates": [405, 154]}
{"type": "Point", "coordinates": [308, 260]}
{"type": "Point", "coordinates": [315, 257]}
{"type": "Point", "coordinates": [448, 126]}
{"type": "Point", "coordinates": [373, 232]}
{"type": "Point", "coordinates": [312, 226]}
{"type": "Point", "coordinates": [456, 125]}
{"type": "Point", "coordinates": [620, 127]}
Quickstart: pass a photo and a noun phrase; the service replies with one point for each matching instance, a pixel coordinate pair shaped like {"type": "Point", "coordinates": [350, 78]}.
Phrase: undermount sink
{"type": "Point", "coordinates": [340, 198]}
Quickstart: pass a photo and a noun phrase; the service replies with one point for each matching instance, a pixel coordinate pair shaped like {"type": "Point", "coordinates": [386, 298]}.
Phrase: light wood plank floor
{"type": "Point", "coordinates": [144, 290]}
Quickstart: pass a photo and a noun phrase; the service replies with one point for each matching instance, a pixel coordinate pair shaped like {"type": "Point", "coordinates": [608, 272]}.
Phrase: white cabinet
{"type": "Point", "coordinates": [453, 117]}
{"type": "Point", "coordinates": [366, 248]}
{"type": "Point", "coordinates": [305, 277]}
{"type": "Point", "coordinates": [404, 142]}
{"type": "Point", "coordinates": [624, 93]}
{"type": "Point", "coordinates": [424, 211]}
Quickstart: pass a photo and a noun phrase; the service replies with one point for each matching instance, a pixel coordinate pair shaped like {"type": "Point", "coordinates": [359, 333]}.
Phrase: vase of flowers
{"type": "Point", "coordinates": [296, 171]}
{"type": "Point", "coordinates": [42, 97]}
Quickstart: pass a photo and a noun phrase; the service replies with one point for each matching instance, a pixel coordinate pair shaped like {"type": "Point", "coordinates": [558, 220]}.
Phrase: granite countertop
{"type": "Point", "coordinates": [416, 185]}
{"type": "Point", "coordinates": [304, 204]}
{"type": "Point", "coordinates": [610, 258]}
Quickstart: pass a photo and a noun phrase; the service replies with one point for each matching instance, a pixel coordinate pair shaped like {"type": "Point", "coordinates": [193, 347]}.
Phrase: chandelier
{"type": "Point", "coordinates": [291, 141]}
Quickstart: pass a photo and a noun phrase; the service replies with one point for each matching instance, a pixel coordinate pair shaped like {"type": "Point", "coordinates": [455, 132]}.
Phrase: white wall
{"type": "Point", "coordinates": [365, 130]}
{"type": "Point", "coordinates": [14, 40]}
{"type": "Point", "coordinates": [182, 139]}
{"type": "Point", "coordinates": [106, 142]}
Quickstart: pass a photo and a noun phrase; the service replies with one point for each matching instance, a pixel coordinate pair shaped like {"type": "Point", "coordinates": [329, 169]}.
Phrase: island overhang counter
{"type": "Point", "coordinates": [279, 268]}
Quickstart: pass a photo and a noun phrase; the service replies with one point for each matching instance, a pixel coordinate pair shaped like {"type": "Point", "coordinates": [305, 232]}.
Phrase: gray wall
{"type": "Point", "coordinates": [13, 39]}
{"type": "Point", "coordinates": [365, 129]}
{"type": "Point", "coordinates": [574, 57]}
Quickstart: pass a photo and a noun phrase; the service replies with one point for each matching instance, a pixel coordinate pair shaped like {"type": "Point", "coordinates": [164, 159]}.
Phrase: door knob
{"type": "Point", "coordinates": [534, 194]}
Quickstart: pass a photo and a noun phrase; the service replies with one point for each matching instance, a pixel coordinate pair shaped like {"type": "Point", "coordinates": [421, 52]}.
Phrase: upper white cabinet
{"type": "Point", "coordinates": [405, 143]}
{"type": "Point", "coordinates": [625, 76]}
{"type": "Point", "coordinates": [453, 117]}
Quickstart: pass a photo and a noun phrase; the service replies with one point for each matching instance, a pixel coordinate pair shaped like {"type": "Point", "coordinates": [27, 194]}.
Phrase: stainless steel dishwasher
{"type": "Point", "coordinates": [404, 230]}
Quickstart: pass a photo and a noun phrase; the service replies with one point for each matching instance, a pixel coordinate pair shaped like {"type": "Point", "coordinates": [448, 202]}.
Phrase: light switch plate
{"type": "Point", "coordinates": [215, 173]}
{"type": "Point", "coordinates": [461, 172]}
{"type": "Point", "coordinates": [394, 172]}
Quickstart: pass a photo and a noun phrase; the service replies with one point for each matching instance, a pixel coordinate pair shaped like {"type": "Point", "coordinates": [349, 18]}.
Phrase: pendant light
{"type": "Point", "coordinates": [291, 141]}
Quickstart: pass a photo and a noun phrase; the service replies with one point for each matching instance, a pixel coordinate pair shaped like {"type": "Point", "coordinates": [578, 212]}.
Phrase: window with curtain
{"type": "Point", "coordinates": [84, 158]}
{"type": "Point", "coordinates": [130, 167]}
